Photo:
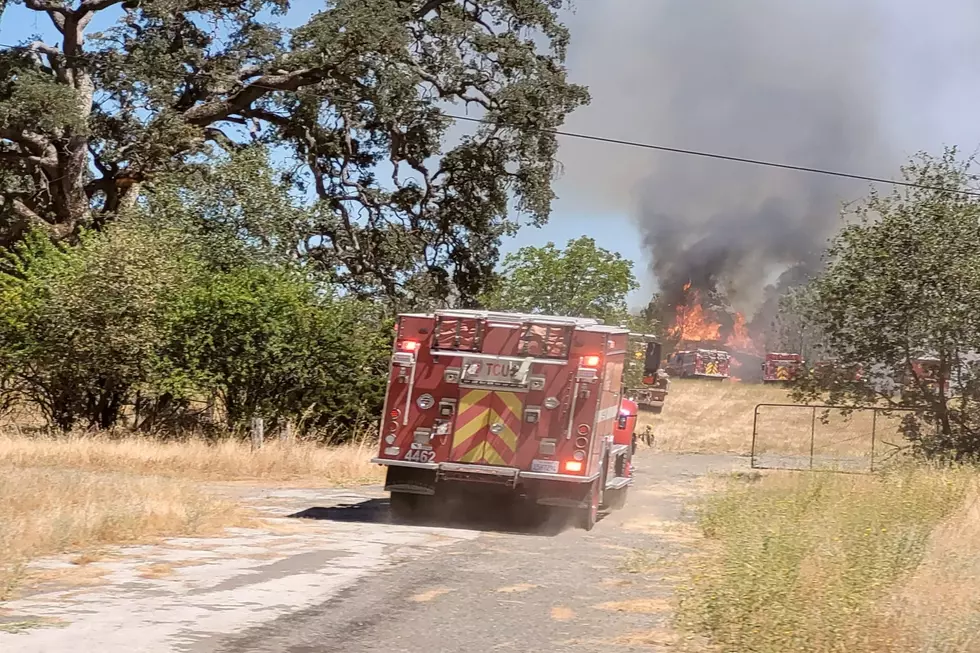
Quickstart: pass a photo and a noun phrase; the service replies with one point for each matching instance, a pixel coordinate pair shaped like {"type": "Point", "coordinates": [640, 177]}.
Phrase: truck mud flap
{"type": "Point", "coordinates": [410, 480]}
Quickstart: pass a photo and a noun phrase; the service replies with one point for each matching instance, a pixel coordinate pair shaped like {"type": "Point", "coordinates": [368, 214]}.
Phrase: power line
{"type": "Point", "coordinates": [623, 142]}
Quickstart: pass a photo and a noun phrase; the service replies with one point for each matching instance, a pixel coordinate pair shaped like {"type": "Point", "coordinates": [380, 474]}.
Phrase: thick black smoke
{"type": "Point", "coordinates": [787, 81]}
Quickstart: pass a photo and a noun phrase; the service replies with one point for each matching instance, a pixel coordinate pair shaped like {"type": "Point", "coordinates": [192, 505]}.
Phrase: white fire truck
{"type": "Point", "coordinates": [528, 405]}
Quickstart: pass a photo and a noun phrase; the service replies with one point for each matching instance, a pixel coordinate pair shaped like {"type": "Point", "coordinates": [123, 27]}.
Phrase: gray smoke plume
{"type": "Point", "coordinates": [783, 80]}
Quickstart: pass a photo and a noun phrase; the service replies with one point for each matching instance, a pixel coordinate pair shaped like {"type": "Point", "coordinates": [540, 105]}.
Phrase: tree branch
{"type": "Point", "coordinates": [97, 5]}
{"type": "Point", "coordinates": [55, 6]}
{"type": "Point", "coordinates": [55, 9]}
{"type": "Point", "coordinates": [429, 6]}
{"type": "Point", "coordinates": [204, 114]}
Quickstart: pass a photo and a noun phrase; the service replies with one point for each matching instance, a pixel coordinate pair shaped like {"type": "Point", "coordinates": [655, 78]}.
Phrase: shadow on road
{"type": "Point", "coordinates": [516, 518]}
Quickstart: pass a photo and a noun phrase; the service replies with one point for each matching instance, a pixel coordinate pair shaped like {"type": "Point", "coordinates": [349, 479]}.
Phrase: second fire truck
{"type": "Point", "coordinates": [700, 363]}
{"type": "Point", "coordinates": [781, 368]}
{"type": "Point", "coordinates": [521, 404]}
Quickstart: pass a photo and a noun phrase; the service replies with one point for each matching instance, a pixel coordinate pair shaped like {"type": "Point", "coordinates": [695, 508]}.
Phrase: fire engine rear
{"type": "Point", "coordinates": [528, 405]}
{"type": "Point", "coordinates": [701, 363]}
{"type": "Point", "coordinates": [652, 393]}
{"type": "Point", "coordinates": [780, 367]}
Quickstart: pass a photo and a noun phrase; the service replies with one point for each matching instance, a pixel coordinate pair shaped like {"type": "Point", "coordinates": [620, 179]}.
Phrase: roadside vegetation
{"type": "Point", "coordinates": [827, 562]}
{"type": "Point", "coordinates": [197, 459]}
{"type": "Point", "coordinates": [47, 510]}
{"type": "Point", "coordinates": [868, 563]}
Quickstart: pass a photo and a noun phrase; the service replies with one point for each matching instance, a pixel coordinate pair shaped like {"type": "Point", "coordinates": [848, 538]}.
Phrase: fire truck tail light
{"type": "Point", "coordinates": [395, 413]}
{"type": "Point", "coordinates": [579, 455]}
{"type": "Point", "coordinates": [409, 345]}
{"type": "Point", "coordinates": [574, 466]}
{"type": "Point", "coordinates": [583, 429]}
{"type": "Point", "coordinates": [590, 361]}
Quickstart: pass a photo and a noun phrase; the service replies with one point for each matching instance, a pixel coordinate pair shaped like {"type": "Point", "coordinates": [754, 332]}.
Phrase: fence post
{"type": "Point", "coordinates": [258, 433]}
{"type": "Point", "coordinates": [874, 430]}
{"type": "Point", "coordinates": [286, 434]}
{"type": "Point", "coordinates": [755, 425]}
{"type": "Point", "coordinates": [813, 430]}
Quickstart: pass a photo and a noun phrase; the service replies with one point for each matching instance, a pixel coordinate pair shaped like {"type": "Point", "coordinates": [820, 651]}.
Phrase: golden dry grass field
{"type": "Point", "coordinates": [717, 417]}
{"type": "Point", "coordinates": [78, 493]}
{"type": "Point", "coordinates": [817, 562]}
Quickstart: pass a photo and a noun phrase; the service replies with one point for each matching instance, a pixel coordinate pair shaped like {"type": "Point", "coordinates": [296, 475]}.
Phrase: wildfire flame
{"type": "Point", "coordinates": [692, 323]}
{"type": "Point", "coordinates": [739, 339]}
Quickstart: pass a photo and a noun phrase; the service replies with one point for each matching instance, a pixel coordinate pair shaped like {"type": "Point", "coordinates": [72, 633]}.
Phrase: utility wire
{"type": "Point", "coordinates": [613, 141]}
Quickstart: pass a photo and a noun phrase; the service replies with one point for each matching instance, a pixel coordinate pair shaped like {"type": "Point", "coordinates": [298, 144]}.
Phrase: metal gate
{"type": "Point", "coordinates": [825, 438]}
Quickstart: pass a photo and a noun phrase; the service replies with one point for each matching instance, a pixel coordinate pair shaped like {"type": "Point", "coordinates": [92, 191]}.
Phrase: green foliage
{"type": "Point", "coordinates": [799, 563]}
{"type": "Point", "coordinates": [357, 98]}
{"type": "Point", "coordinates": [83, 327]}
{"type": "Point", "coordinates": [581, 280]}
{"type": "Point", "coordinates": [903, 282]}
{"type": "Point", "coordinates": [270, 343]}
{"type": "Point", "coordinates": [142, 315]}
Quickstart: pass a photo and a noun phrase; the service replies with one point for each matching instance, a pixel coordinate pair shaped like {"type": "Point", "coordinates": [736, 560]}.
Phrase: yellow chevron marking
{"type": "Point", "coordinates": [491, 456]}
{"type": "Point", "coordinates": [475, 454]}
{"type": "Point", "coordinates": [512, 402]}
{"type": "Point", "coordinates": [463, 432]}
{"type": "Point", "coordinates": [507, 435]}
{"type": "Point", "coordinates": [470, 428]}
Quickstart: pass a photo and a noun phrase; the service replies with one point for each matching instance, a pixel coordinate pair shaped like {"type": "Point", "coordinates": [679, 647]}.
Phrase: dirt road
{"type": "Point", "coordinates": [346, 579]}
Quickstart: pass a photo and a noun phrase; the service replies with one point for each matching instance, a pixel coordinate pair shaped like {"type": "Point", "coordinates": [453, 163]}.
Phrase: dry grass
{"type": "Point", "coordinates": [196, 459]}
{"type": "Point", "coordinates": [717, 417]}
{"type": "Point", "coordinates": [46, 510]}
{"type": "Point", "coordinates": [827, 563]}
{"type": "Point", "coordinates": [75, 493]}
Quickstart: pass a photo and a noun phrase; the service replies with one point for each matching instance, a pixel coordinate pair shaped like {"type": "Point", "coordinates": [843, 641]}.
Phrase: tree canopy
{"type": "Point", "coordinates": [357, 98]}
{"type": "Point", "coordinates": [902, 283]}
{"type": "Point", "coordinates": [582, 280]}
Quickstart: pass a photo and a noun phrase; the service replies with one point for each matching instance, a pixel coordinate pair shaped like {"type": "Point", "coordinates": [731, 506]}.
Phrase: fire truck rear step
{"type": "Point", "coordinates": [617, 483]}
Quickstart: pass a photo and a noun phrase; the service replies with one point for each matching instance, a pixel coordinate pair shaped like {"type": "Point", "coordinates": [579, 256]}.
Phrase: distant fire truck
{"type": "Point", "coordinates": [926, 368]}
{"type": "Point", "coordinates": [702, 363]}
{"type": "Point", "coordinates": [781, 368]}
{"type": "Point", "coordinates": [652, 394]}
{"type": "Point", "coordinates": [527, 405]}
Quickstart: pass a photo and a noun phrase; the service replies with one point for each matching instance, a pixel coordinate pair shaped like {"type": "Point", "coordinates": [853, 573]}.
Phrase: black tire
{"type": "Point", "coordinates": [404, 506]}
{"type": "Point", "coordinates": [588, 515]}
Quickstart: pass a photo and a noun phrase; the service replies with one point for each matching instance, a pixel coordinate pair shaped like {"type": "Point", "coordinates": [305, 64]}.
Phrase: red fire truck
{"type": "Point", "coordinates": [926, 368]}
{"type": "Point", "coordinates": [702, 363]}
{"type": "Point", "coordinates": [529, 405]}
{"type": "Point", "coordinates": [652, 393]}
{"type": "Point", "coordinates": [780, 368]}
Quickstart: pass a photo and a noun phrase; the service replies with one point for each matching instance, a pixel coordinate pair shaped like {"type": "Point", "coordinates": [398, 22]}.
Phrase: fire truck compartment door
{"type": "Point", "coordinates": [487, 427]}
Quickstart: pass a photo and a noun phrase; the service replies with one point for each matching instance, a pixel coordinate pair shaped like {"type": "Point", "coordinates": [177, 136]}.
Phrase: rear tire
{"type": "Point", "coordinates": [589, 515]}
{"type": "Point", "coordinates": [404, 506]}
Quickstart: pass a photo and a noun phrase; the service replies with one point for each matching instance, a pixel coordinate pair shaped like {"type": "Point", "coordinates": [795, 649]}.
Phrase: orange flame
{"type": "Point", "coordinates": [739, 339]}
{"type": "Point", "coordinates": [691, 322]}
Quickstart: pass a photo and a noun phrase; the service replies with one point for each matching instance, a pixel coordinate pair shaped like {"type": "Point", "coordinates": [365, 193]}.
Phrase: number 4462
{"type": "Point", "coordinates": [420, 456]}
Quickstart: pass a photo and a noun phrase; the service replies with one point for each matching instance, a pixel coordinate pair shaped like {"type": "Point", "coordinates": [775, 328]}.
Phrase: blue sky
{"type": "Point", "coordinates": [928, 70]}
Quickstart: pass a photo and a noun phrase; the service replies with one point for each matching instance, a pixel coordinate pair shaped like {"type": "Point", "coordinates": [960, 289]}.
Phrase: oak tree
{"type": "Point", "coordinates": [581, 280]}
{"type": "Point", "coordinates": [902, 283]}
{"type": "Point", "coordinates": [358, 99]}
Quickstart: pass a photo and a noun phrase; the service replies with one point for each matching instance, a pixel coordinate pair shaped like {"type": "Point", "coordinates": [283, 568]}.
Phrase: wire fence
{"type": "Point", "coordinates": [826, 438]}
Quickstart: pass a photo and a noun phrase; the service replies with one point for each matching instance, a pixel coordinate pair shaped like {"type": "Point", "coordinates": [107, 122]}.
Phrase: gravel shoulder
{"type": "Point", "coordinates": [346, 579]}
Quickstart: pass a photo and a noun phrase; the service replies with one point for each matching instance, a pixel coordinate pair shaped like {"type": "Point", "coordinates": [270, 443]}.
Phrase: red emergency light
{"type": "Point", "coordinates": [590, 361]}
{"type": "Point", "coordinates": [409, 345]}
{"type": "Point", "coordinates": [574, 466]}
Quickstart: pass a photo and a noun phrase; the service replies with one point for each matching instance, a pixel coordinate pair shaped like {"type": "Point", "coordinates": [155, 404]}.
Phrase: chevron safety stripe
{"type": "Point", "coordinates": [506, 410]}
{"type": "Point", "coordinates": [471, 423]}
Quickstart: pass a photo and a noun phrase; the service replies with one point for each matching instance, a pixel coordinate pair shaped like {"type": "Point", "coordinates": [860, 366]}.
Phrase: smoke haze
{"type": "Point", "coordinates": [788, 81]}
